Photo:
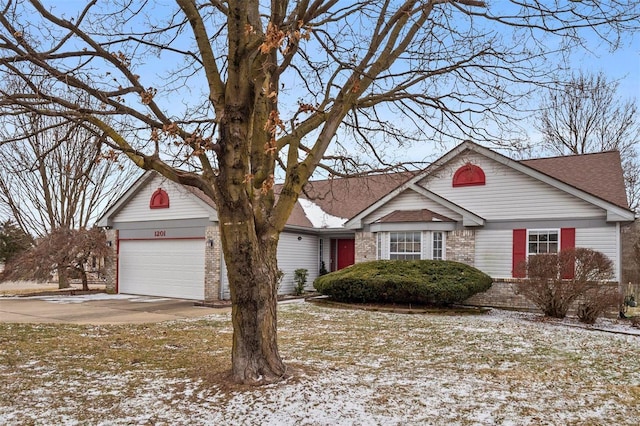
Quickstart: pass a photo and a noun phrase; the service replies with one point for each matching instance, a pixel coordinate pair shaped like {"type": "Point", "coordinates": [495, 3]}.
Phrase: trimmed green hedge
{"type": "Point", "coordinates": [426, 282]}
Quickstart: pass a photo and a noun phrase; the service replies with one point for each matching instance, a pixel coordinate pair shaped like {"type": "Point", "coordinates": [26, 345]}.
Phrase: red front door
{"type": "Point", "coordinates": [346, 249]}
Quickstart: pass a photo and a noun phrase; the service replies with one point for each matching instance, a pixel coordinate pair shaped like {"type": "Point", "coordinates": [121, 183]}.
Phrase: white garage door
{"type": "Point", "coordinates": [167, 268]}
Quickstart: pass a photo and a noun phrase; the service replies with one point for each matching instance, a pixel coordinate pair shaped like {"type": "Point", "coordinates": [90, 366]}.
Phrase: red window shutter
{"type": "Point", "coordinates": [519, 253]}
{"type": "Point", "coordinates": [568, 241]}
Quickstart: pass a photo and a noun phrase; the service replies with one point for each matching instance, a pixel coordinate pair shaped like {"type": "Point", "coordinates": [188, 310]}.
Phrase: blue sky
{"type": "Point", "coordinates": [622, 65]}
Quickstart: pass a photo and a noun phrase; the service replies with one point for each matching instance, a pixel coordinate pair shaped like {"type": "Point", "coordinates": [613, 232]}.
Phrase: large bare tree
{"type": "Point", "coordinates": [54, 174]}
{"type": "Point", "coordinates": [587, 114]}
{"type": "Point", "coordinates": [226, 95]}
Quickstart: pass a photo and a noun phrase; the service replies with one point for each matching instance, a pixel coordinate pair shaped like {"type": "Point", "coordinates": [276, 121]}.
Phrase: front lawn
{"type": "Point", "coordinates": [352, 367]}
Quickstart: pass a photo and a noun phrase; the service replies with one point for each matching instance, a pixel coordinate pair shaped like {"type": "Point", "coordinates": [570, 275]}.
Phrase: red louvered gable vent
{"type": "Point", "coordinates": [159, 199]}
{"type": "Point", "coordinates": [469, 175]}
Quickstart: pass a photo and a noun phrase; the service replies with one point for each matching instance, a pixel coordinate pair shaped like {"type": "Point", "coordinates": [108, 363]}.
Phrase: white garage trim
{"type": "Point", "coordinates": [166, 268]}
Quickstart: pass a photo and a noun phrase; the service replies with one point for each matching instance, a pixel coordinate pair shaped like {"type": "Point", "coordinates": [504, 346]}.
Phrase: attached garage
{"type": "Point", "coordinates": [166, 268]}
{"type": "Point", "coordinates": [165, 241]}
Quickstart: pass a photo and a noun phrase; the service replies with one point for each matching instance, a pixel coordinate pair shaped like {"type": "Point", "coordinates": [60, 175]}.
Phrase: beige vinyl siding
{"type": "Point", "coordinates": [494, 248]}
{"type": "Point", "coordinates": [602, 239]}
{"type": "Point", "coordinates": [411, 200]}
{"type": "Point", "coordinates": [494, 252]}
{"type": "Point", "coordinates": [292, 254]}
{"type": "Point", "coordinates": [182, 204]}
{"type": "Point", "coordinates": [508, 194]}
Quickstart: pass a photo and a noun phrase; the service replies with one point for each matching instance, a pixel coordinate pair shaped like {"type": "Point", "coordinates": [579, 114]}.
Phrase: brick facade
{"type": "Point", "coordinates": [502, 294]}
{"type": "Point", "coordinates": [461, 246]}
{"type": "Point", "coordinates": [213, 259]}
{"type": "Point", "coordinates": [111, 261]}
{"type": "Point", "coordinates": [365, 246]}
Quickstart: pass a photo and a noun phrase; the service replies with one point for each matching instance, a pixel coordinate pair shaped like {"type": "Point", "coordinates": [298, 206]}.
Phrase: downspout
{"type": "Point", "coordinates": [619, 255]}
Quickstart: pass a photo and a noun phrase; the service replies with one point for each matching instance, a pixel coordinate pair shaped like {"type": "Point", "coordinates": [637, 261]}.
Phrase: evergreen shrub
{"type": "Point", "coordinates": [425, 282]}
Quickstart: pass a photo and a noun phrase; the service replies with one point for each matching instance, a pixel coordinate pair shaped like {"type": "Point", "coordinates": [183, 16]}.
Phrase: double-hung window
{"type": "Point", "coordinates": [437, 248]}
{"type": "Point", "coordinates": [405, 245]}
{"type": "Point", "coordinates": [544, 241]}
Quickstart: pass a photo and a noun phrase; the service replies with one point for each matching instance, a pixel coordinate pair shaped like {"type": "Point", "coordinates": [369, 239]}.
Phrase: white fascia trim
{"type": "Point", "coordinates": [413, 226]}
{"type": "Point", "coordinates": [106, 219]}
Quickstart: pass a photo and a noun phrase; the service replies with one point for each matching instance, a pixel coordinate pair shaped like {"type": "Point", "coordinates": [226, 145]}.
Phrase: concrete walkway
{"type": "Point", "coordinates": [99, 309]}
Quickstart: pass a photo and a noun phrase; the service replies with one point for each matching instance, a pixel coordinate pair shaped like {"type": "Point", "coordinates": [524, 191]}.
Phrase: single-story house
{"type": "Point", "coordinates": [472, 205]}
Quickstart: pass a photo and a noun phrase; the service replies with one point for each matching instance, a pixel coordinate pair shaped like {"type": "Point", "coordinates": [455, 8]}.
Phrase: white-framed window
{"type": "Point", "coordinates": [543, 241]}
{"type": "Point", "coordinates": [405, 245]}
{"type": "Point", "coordinates": [410, 245]}
{"type": "Point", "coordinates": [437, 246]}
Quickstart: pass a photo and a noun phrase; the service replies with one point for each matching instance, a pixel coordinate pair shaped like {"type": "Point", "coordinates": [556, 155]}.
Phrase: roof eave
{"type": "Point", "coordinates": [106, 219]}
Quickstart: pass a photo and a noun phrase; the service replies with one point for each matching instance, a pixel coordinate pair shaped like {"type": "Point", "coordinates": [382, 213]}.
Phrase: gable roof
{"type": "Point", "coordinates": [345, 197]}
{"type": "Point", "coordinates": [595, 178]}
{"type": "Point", "coordinates": [106, 219]}
{"type": "Point", "coordinates": [599, 174]}
{"type": "Point", "coordinates": [552, 172]}
{"type": "Point", "coordinates": [424, 215]}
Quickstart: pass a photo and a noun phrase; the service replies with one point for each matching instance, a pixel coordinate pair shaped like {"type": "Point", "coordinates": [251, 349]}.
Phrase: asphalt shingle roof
{"type": "Point", "coordinates": [598, 174]}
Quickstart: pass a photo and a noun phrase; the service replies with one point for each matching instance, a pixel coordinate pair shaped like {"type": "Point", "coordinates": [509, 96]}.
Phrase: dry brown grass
{"type": "Point", "coordinates": [348, 367]}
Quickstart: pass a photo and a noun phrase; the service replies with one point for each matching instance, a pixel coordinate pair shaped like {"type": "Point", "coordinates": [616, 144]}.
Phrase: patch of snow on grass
{"type": "Point", "coordinates": [375, 368]}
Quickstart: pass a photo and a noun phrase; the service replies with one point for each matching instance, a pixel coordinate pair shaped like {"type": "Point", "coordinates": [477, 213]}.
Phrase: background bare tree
{"type": "Point", "coordinates": [588, 115]}
{"type": "Point", "coordinates": [70, 250]}
{"type": "Point", "coordinates": [218, 95]}
{"type": "Point", "coordinates": [53, 173]}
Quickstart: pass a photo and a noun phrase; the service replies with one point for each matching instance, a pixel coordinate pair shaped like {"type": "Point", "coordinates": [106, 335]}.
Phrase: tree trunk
{"type": "Point", "coordinates": [63, 278]}
{"type": "Point", "coordinates": [85, 279]}
{"type": "Point", "coordinates": [252, 269]}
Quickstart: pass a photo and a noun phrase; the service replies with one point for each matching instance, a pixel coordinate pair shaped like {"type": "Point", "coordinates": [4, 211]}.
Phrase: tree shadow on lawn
{"type": "Point", "coordinates": [402, 308]}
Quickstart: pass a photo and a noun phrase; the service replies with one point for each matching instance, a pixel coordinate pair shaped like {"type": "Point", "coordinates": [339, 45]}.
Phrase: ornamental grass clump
{"type": "Point", "coordinates": [424, 282]}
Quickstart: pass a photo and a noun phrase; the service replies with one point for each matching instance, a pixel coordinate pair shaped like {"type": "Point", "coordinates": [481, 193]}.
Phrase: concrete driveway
{"type": "Point", "coordinates": [99, 309]}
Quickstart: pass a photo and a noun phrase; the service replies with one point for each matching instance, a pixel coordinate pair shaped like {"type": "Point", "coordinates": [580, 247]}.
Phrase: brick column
{"type": "Point", "coordinates": [365, 246]}
{"type": "Point", "coordinates": [111, 261]}
{"type": "Point", "coordinates": [461, 246]}
{"type": "Point", "coordinates": [212, 258]}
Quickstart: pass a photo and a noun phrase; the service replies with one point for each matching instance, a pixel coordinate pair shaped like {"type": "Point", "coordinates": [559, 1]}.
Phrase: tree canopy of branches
{"type": "Point", "coordinates": [220, 94]}
{"type": "Point", "coordinates": [588, 115]}
{"type": "Point", "coordinates": [68, 250]}
{"type": "Point", "coordinates": [54, 174]}
{"type": "Point", "coordinates": [13, 241]}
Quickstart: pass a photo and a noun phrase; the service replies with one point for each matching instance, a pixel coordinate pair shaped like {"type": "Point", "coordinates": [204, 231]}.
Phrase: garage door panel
{"type": "Point", "coordinates": [166, 268]}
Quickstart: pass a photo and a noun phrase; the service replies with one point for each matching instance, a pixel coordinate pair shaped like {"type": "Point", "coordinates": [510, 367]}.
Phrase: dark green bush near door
{"type": "Point", "coordinates": [427, 282]}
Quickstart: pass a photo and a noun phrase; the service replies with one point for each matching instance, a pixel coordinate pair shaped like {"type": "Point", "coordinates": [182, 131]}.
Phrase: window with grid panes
{"type": "Point", "coordinates": [543, 241]}
{"type": "Point", "coordinates": [405, 245]}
